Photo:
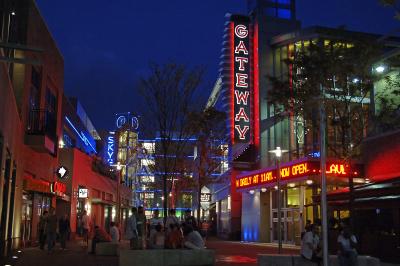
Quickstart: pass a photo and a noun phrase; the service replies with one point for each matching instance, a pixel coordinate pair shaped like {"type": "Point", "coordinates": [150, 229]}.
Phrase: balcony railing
{"type": "Point", "coordinates": [42, 122]}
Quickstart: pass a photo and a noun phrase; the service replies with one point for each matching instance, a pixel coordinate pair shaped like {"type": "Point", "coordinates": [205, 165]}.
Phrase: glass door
{"type": "Point", "coordinates": [290, 225]}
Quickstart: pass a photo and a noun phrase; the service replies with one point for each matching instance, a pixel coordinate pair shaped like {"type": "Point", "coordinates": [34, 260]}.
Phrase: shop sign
{"type": "Point", "coordinates": [83, 193]}
{"type": "Point", "coordinates": [36, 185]}
{"type": "Point", "coordinates": [127, 119]}
{"type": "Point", "coordinates": [240, 49]}
{"type": "Point", "coordinates": [205, 197]}
{"type": "Point", "coordinates": [110, 148]}
{"type": "Point", "coordinates": [298, 170]}
{"type": "Point", "coordinates": [58, 188]}
{"type": "Point", "coordinates": [62, 172]}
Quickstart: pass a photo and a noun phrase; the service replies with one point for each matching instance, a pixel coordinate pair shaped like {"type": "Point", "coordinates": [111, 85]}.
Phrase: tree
{"type": "Point", "coordinates": [169, 94]}
{"type": "Point", "coordinates": [337, 74]}
{"type": "Point", "coordinates": [344, 71]}
{"type": "Point", "coordinates": [209, 127]}
{"type": "Point", "coordinates": [395, 4]}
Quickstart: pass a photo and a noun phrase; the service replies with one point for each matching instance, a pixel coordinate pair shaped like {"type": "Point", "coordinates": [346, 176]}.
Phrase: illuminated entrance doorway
{"type": "Point", "coordinates": [291, 221]}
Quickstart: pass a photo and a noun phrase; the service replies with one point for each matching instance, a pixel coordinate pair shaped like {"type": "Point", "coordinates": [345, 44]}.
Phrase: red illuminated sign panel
{"type": "Point", "coordinates": [58, 188]}
{"type": "Point", "coordinates": [241, 83]}
{"type": "Point", "coordinates": [294, 171]}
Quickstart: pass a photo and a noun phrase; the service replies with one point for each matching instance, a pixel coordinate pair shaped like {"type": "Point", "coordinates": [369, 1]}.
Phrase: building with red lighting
{"type": "Point", "coordinates": [255, 48]}
{"type": "Point", "coordinates": [31, 90]}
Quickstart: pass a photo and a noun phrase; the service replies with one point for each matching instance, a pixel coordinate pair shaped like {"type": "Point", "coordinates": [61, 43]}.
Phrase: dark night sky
{"type": "Point", "coordinates": [107, 45]}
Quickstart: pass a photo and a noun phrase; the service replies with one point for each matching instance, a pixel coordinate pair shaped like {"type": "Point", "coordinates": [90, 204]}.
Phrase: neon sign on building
{"type": "Point", "coordinates": [241, 83]}
{"type": "Point", "coordinates": [110, 153]}
{"type": "Point", "coordinates": [298, 170]}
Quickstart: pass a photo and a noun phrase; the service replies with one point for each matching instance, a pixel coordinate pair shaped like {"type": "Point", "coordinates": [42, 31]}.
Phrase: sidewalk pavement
{"type": "Point", "coordinates": [75, 255]}
{"type": "Point", "coordinates": [227, 253]}
{"type": "Point", "coordinates": [244, 254]}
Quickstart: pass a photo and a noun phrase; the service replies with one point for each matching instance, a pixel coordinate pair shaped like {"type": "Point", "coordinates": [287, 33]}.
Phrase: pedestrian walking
{"type": "Point", "coordinates": [64, 230]}
{"type": "Point", "coordinates": [310, 245]}
{"type": "Point", "coordinates": [347, 252]}
{"type": "Point", "coordinates": [42, 229]}
{"type": "Point", "coordinates": [141, 227]}
{"type": "Point", "coordinates": [114, 232]}
{"type": "Point", "coordinates": [51, 230]}
{"type": "Point", "coordinates": [85, 228]}
{"type": "Point", "coordinates": [131, 229]}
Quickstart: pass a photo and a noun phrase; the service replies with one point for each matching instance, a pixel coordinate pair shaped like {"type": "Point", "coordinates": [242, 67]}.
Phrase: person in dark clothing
{"type": "Point", "coordinates": [190, 220]}
{"type": "Point", "coordinates": [42, 229]}
{"type": "Point", "coordinates": [64, 229]}
{"type": "Point", "coordinates": [51, 230]}
{"type": "Point", "coordinates": [100, 235]}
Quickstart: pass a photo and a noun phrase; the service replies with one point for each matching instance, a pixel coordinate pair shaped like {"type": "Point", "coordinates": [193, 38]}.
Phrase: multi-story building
{"type": "Point", "coordinates": [31, 91]}
{"type": "Point", "coordinates": [91, 184]}
{"type": "Point", "coordinates": [151, 174]}
{"type": "Point", "coordinates": [255, 49]}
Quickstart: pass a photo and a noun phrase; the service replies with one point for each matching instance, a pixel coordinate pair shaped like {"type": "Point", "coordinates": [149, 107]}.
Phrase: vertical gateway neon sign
{"type": "Point", "coordinates": [241, 97]}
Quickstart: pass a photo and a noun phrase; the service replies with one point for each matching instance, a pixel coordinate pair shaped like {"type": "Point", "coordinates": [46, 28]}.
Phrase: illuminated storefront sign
{"type": "Point", "coordinates": [58, 188]}
{"type": "Point", "coordinates": [110, 153]}
{"type": "Point", "coordinates": [294, 171]}
{"type": "Point", "coordinates": [83, 193]}
{"type": "Point", "coordinates": [62, 172]}
{"type": "Point", "coordinates": [241, 83]}
{"type": "Point", "coordinates": [205, 197]}
{"type": "Point", "coordinates": [127, 118]}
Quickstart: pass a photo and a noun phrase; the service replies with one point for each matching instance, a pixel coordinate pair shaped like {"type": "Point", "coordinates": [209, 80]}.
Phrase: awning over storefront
{"type": "Point", "coordinates": [378, 194]}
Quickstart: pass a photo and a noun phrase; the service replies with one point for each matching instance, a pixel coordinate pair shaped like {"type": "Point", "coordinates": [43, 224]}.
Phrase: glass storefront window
{"type": "Point", "coordinates": [293, 197]}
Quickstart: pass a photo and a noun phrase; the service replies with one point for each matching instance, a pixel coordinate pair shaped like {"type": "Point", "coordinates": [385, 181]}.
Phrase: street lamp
{"type": "Point", "coordinates": [380, 69]}
{"type": "Point", "coordinates": [278, 154]}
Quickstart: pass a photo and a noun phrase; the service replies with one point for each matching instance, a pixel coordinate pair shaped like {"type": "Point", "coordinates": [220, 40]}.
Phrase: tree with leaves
{"type": "Point", "coordinates": [338, 75]}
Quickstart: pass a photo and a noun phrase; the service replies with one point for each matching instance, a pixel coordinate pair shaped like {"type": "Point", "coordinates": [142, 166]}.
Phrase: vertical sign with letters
{"type": "Point", "coordinates": [241, 83]}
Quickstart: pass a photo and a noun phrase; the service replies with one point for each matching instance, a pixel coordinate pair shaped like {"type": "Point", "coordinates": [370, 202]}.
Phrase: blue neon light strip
{"type": "Point", "coordinates": [81, 135]}
{"type": "Point", "coordinates": [176, 139]}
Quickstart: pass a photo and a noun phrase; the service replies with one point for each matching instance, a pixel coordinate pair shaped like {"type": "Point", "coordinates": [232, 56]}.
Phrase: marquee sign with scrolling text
{"type": "Point", "coordinates": [293, 171]}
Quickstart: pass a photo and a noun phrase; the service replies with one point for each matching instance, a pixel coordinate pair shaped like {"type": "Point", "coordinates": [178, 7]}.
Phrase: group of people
{"type": "Point", "coordinates": [157, 235]}
{"type": "Point", "coordinates": [50, 227]}
{"type": "Point", "coordinates": [311, 245]}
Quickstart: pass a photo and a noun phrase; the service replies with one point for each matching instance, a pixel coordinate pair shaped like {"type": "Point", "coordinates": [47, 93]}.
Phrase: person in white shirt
{"type": "Point", "coordinates": [131, 229]}
{"type": "Point", "coordinates": [114, 232]}
{"type": "Point", "coordinates": [85, 227]}
{"type": "Point", "coordinates": [193, 239]}
{"type": "Point", "coordinates": [310, 244]}
{"type": "Point", "coordinates": [347, 252]}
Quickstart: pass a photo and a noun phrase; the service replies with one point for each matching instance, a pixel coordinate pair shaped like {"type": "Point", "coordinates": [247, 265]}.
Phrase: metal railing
{"type": "Point", "coordinates": [42, 122]}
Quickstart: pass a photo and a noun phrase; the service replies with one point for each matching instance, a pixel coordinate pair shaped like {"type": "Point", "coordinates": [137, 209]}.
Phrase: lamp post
{"type": "Point", "coordinates": [278, 154]}
{"type": "Point", "coordinates": [119, 168]}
